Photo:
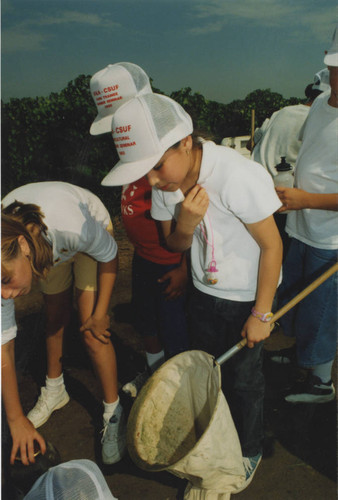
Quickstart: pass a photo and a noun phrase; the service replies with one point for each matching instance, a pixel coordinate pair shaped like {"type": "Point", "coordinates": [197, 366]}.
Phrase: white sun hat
{"type": "Point", "coordinates": [73, 480]}
{"type": "Point", "coordinates": [331, 57]}
{"type": "Point", "coordinates": [112, 87]}
{"type": "Point", "coordinates": [322, 80]}
{"type": "Point", "coordinates": [143, 129]}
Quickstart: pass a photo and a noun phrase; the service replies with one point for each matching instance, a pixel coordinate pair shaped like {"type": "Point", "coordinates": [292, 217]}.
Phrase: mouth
{"type": "Point", "coordinates": [164, 188]}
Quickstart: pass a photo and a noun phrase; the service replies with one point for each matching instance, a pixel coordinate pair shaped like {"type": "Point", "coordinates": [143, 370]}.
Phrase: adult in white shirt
{"type": "Point", "coordinates": [313, 227]}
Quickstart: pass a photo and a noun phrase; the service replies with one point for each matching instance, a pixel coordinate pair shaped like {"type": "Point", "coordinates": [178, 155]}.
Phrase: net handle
{"type": "Point", "coordinates": [233, 350]}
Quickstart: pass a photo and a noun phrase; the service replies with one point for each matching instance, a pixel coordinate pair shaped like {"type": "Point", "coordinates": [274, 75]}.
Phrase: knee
{"type": "Point", "coordinates": [91, 343]}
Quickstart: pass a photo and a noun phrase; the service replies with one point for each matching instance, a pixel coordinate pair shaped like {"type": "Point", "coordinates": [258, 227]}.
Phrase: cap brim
{"type": "Point", "coordinates": [331, 59]}
{"type": "Point", "coordinates": [101, 125]}
{"type": "Point", "coordinates": [125, 173]}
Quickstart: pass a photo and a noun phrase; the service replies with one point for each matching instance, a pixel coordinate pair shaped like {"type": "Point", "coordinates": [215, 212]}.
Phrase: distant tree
{"type": "Point", "coordinates": [47, 138]}
{"type": "Point", "coordinates": [195, 105]}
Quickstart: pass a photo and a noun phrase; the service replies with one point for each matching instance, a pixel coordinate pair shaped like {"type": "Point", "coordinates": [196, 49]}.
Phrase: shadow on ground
{"type": "Point", "coordinates": [300, 445]}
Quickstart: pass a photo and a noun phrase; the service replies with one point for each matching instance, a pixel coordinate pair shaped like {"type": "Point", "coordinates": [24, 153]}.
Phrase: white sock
{"type": "Point", "coordinates": [109, 409]}
{"type": "Point", "coordinates": [154, 360]}
{"type": "Point", "coordinates": [54, 384]}
{"type": "Point", "coordinates": [323, 371]}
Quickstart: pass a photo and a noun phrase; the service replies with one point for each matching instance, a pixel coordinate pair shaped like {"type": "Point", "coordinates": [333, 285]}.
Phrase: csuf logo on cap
{"type": "Point", "coordinates": [113, 86]}
{"type": "Point", "coordinates": [143, 129]}
{"type": "Point", "coordinates": [122, 139]}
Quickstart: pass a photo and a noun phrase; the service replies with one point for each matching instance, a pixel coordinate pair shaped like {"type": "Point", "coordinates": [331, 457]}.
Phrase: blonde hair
{"type": "Point", "coordinates": [19, 219]}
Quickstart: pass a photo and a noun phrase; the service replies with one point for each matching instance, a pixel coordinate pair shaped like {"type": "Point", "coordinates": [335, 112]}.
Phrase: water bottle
{"type": "Point", "coordinates": [284, 177]}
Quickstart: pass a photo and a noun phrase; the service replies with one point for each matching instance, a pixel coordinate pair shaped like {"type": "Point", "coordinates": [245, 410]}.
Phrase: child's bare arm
{"type": "Point", "coordinates": [99, 322]}
{"type": "Point", "coordinates": [193, 209]}
{"type": "Point", "coordinates": [177, 278]}
{"type": "Point", "coordinates": [267, 236]}
{"type": "Point", "coordinates": [22, 430]}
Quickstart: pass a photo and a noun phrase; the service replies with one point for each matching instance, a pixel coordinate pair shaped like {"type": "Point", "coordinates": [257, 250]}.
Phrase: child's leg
{"type": "Point", "coordinates": [144, 300]}
{"type": "Point", "coordinates": [102, 355]}
{"type": "Point", "coordinates": [57, 297]}
{"type": "Point", "coordinates": [215, 327]}
{"type": "Point", "coordinates": [144, 304]}
{"type": "Point", "coordinates": [104, 362]}
{"type": "Point", "coordinates": [58, 311]}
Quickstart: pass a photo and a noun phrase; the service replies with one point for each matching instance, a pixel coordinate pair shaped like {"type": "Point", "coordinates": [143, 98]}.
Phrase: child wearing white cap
{"type": "Point", "coordinates": [160, 314]}
{"type": "Point", "coordinates": [220, 205]}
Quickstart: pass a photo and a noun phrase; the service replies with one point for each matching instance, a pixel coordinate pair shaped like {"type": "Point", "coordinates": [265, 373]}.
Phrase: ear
{"type": "Point", "coordinates": [24, 247]}
{"type": "Point", "coordinates": [187, 143]}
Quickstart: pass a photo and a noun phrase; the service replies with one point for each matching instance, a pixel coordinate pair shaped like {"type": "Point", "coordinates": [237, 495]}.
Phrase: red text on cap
{"type": "Point", "coordinates": [110, 89]}
{"type": "Point", "coordinates": [122, 130]}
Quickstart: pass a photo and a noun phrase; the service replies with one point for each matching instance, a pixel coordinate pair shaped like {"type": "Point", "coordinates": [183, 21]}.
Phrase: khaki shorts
{"type": "Point", "coordinates": [80, 270]}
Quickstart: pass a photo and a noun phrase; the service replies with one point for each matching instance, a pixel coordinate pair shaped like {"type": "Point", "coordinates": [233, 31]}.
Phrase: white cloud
{"type": "Point", "coordinates": [27, 35]}
{"type": "Point", "coordinates": [317, 18]}
{"type": "Point", "coordinates": [71, 17]}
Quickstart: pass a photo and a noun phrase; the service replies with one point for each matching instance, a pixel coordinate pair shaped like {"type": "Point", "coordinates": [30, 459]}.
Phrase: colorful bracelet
{"type": "Point", "coordinates": [263, 317]}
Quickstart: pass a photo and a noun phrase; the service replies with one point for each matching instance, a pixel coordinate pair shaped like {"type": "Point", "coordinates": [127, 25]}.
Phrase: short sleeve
{"type": "Point", "coordinates": [251, 195]}
{"type": "Point", "coordinates": [159, 211]}
{"type": "Point", "coordinates": [8, 323]}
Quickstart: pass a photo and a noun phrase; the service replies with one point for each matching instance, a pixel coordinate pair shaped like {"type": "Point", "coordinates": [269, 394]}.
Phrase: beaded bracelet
{"type": "Point", "coordinates": [263, 317]}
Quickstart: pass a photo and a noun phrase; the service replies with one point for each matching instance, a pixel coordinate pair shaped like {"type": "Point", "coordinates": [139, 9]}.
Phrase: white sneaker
{"type": "Point", "coordinates": [133, 388]}
{"type": "Point", "coordinates": [48, 402]}
{"type": "Point", "coordinates": [114, 439]}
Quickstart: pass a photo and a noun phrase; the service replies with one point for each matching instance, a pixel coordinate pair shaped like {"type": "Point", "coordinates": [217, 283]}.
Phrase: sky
{"type": "Point", "coordinates": [223, 49]}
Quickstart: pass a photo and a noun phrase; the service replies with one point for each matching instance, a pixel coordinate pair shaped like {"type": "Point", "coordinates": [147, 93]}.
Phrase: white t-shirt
{"type": "Point", "coordinates": [279, 136]}
{"type": "Point", "coordinates": [317, 172]}
{"type": "Point", "coordinates": [76, 221]}
{"type": "Point", "coordinates": [75, 217]}
{"type": "Point", "coordinates": [240, 192]}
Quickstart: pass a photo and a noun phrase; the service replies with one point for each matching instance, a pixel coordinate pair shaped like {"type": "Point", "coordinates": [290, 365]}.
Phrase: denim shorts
{"type": "Point", "coordinates": [313, 322]}
{"type": "Point", "coordinates": [154, 315]}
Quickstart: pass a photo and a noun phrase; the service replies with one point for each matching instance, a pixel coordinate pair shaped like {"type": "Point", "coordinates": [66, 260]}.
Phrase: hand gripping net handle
{"type": "Point", "coordinates": [233, 350]}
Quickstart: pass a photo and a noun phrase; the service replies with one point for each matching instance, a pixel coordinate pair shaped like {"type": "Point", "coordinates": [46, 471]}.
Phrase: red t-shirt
{"type": "Point", "coordinates": [141, 228]}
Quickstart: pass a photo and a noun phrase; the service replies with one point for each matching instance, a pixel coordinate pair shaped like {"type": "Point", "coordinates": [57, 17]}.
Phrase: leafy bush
{"type": "Point", "coordinates": [47, 138]}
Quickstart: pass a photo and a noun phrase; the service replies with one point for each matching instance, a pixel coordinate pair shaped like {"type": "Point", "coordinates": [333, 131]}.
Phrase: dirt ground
{"type": "Point", "coordinates": [299, 461]}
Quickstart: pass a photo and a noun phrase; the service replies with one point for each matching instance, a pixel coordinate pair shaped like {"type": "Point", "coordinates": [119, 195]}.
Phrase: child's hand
{"type": "Point", "coordinates": [24, 434]}
{"type": "Point", "coordinates": [98, 328]}
{"type": "Point", "coordinates": [292, 198]}
{"type": "Point", "coordinates": [255, 331]}
{"type": "Point", "coordinates": [178, 279]}
{"type": "Point", "coordinates": [193, 208]}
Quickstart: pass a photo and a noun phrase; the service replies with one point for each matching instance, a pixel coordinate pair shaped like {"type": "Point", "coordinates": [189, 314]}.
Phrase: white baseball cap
{"type": "Point", "coordinates": [112, 87]}
{"type": "Point", "coordinates": [322, 80]}
{"type": "Point", "coordinates": [331, 57]}
{"type": "Point", "coordinates": [143, 129]}
{"type": "Point", "coordinates": [76, 479]}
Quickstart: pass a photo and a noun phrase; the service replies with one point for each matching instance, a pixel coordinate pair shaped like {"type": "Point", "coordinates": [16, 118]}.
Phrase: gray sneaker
{"type": "Point", "coordinates": [48, 402]}
{"type": "Point", "coordinates": [114, 439]}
